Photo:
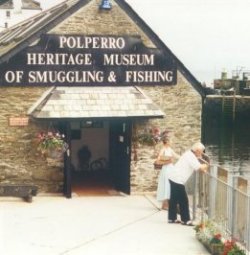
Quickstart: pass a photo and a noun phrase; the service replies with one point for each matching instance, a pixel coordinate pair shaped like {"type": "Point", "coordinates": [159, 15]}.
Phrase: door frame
{"type": "Point", "coordinates": [120, 153]}
{"type": "Point", "coordinates": [122, 180]}
{"type": "Point", "coordinates": [67, 184]}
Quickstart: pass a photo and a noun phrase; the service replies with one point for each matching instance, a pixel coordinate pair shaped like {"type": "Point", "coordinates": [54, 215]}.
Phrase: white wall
{"type": "Point", "coordinates": [18, 15]}
{"type": "Point", "coordinates": [15, 17]}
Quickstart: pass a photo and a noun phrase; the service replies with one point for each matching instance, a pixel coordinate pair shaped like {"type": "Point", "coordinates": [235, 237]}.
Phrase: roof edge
{"type": "Point", "coordinates": [39, 31]}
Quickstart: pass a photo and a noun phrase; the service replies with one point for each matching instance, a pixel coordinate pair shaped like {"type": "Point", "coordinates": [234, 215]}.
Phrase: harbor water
{"type": "Point", "coordinates": [228, 144]}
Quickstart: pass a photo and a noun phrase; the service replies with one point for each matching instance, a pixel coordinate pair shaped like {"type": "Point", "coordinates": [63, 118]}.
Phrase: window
{"type": "Point", "coordinates": [8, 14]}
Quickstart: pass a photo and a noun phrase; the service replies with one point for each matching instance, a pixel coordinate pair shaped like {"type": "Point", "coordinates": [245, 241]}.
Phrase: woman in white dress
{"type": "Point", "coordinates": [168, 155]}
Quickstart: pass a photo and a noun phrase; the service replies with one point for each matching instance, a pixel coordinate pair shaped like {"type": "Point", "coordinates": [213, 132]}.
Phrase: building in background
{"type": "Point", "coordinates": [15, 11]}
{"type": "Point", "coordinates": [238, 84]}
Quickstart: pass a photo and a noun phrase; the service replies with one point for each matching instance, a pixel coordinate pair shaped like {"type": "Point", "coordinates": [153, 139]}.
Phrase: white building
{"type": "Point", "coordinates": [15, 11]}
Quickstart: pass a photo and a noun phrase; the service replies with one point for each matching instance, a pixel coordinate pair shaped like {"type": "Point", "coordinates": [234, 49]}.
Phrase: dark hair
{"type": "Point", "coordinates": [165, 139]}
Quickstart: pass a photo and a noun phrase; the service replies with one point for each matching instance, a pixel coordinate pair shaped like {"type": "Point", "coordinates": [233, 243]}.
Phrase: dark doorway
{"type": "Point", "coordinates": [102, 172]}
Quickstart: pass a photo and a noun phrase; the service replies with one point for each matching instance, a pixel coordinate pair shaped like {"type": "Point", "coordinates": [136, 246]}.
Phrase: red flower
{"type": "Point", "coordinates": [228, 246]}
{"type": "Point", "coordinates": [156, 131]}
{"type": "Point", "coordinates": [216, 239]}
{"type": "Point", "coordinates": [217, 236]}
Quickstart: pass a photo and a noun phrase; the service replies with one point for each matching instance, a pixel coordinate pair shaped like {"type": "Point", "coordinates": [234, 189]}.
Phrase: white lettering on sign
{"type": "Point", "coordinates": [58, 59]}
{"type": "Point", "coordinates": [64, 76]}
{"type": "Point", "coordinates": [149, 76]}
{"type": "Point", "coordinates": [11, 76]}
{"type": "Point", "coordinates": [95, 42]}
{"type": "Point", "coordinates": [89, 60]}
{"type": "Point", "coordinates": [128, 59]}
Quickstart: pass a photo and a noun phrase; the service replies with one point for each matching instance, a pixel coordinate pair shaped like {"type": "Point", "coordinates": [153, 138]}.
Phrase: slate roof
{"type": "Point", "coordinates": [20, 36]}
{"type": "Point", "coordinates": [94, 102]}
{"type": "Point", "coordinates": [26, 4]}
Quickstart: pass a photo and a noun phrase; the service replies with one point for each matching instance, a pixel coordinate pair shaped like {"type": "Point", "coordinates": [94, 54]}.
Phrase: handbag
{"type": "Point", "coordinates": [159, 163]}
{"type": "Point", "coordinates": [162, 161]}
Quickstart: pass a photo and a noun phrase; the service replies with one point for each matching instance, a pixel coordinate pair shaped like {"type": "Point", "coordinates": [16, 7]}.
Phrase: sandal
{"type": "Point", "coordinates": [188, 223]}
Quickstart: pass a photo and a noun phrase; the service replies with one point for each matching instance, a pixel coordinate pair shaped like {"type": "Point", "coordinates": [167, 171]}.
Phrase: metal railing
{"type": "Point", "coordinates": [219, 196]}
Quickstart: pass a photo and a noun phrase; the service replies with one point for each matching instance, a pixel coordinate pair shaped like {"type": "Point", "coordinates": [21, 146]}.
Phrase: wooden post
{"type": "Point", "coordinates": [234, 106]}
{"type": "Point", "coordinates": [67, 163]}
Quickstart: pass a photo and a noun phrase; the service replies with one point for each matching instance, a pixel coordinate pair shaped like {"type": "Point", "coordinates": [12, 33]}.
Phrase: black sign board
{"type": "Point", "coordinates": [91, 60]}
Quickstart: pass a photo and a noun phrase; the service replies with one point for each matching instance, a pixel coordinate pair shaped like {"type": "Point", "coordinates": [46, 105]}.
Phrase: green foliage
{"type": "Point", "coordinates": [151, 136]}
{"type": "Point", "coordinates": [208, 233]}
{"type": "Point", "coordinates": [50, 141]}
{"type": "Point", "coordinates": [216, 239]}
{"type": "Point", "coordinates": [231, 248]}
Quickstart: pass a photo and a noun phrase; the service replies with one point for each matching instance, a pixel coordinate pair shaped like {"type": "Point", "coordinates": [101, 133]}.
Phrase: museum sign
{"type": "Point", "coordinates": [91, 60]}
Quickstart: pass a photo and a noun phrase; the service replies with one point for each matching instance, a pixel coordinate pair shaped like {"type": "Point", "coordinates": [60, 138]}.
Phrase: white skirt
{"type": "Point", "coordinates": [163, 188]}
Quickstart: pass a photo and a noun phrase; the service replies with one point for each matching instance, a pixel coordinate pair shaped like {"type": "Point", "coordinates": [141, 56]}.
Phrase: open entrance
{"type": "Point", "coordinates": [97, 124]}
{"type": "Point", "coordinates": [100, 157]}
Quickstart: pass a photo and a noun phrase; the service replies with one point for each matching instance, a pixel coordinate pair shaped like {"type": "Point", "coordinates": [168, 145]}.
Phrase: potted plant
{"type": "Point", "coordinates": [198, 230]}
{"type": "Point", "coordinates": [216, 245]}
{"type": "Point", "coordinates": [150, 136]}
{"type": "Point", "coordinates": [51, 144]}
{"type": "Point", "coordinates": [231, 248]}
{"type": "Point", "coordinates": [204, 232]}
{"type": "Point", "coordinates": [209, 235]}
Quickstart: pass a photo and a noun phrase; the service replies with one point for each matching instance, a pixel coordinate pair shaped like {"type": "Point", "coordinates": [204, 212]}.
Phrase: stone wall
{"type": "Point", "coordinates": [20, 161]}
{"type": "Point", "coordinates": [182, 105]}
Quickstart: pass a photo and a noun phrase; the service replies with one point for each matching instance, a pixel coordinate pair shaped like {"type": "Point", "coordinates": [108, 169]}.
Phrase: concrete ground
{"type": "Point", "coordinates": [92, 225]}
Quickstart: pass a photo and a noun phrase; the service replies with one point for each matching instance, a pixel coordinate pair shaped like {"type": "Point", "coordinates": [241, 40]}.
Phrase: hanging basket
{"type": "Point", "coordinates": [54, 158]}
{"type": "Point", "coordinates": [55, 154]}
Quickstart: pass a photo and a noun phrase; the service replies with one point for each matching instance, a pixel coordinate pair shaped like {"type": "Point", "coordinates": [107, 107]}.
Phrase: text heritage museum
{"type": "Point", "coordinates": [89, 60]}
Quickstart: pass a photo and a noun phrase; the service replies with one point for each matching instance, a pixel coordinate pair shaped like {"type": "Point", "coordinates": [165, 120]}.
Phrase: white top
{"type": "Point", "coordinates": [167, 153]}
{"type": "Point", "coordinates": [184, 167]}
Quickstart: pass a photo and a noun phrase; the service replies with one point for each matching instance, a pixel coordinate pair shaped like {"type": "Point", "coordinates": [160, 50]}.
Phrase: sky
{"type": "Point", "coordinates": [207, 36]}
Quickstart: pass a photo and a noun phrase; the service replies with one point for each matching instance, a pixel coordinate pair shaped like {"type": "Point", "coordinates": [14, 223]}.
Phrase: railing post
{"type": "Point", "coordinates": [212, 190]}
{"type": "Point", "coordinates": [227, 196]}
{"type": "Point", "coordinates": [232, 183]}
{"type": "Point", "coordinates": [195, 176]}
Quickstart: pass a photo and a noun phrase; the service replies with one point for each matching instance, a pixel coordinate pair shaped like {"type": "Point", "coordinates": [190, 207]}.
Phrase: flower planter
{"type": "Point", "coordinates": [213, 248]}
{"type": "Point", "coordinates": [54, 158]}
{"type": "Point", "coordinates": [55, 154]}
{"type": "Point", "coordinates": [216, 249]}
{"type": "Point", "coordinates": [213, 241]}
{"type": "Point", "coordinates": [198, 236]}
